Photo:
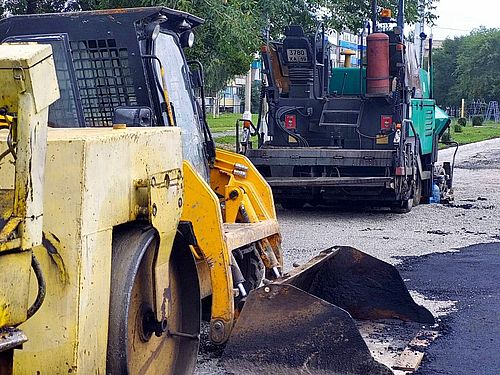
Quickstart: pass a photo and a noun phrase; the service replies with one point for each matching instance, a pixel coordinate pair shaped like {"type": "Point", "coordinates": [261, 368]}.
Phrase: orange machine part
{"type": "Point", "coordinates": [377, 72]}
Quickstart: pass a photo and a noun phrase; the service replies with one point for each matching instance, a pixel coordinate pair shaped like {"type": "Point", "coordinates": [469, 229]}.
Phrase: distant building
{"type": "Point", "coordinates": [231, 98]}
{"type": "Point", "coordinates": [342, 41]}
{"type": "Point", "coordinates": [436, 44]}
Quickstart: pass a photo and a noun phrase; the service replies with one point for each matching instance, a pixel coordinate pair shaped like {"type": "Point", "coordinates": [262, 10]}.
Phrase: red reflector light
{"type": "Point", "coordinates": [290, 122]}
{"type": "Point", "coordinates": [400, 171]}
{"type": "Point", "coordinates": [385, 122]}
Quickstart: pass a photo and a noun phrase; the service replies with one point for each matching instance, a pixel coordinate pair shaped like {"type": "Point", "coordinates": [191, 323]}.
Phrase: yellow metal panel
{"type": "Point", "coordinates": [89, 188]}
{"type": "Point", "coordinates": [255, 186]}
{"type": "Point", "coordinates": [33, 64]}
{"type": "Point", "coordinates": [30, 165]}
{"type": "Point", "coordinates": [241, 234]}
{"type": "Point", "coordinates": [23, 55]}
{"type": "Point", "coordinates": [95, 279]}
{"type": "Point", "coordinates": [20, 67]}
{"type": "Point", "coordinates": [14, 282]}
{"type": "Point", "coordinates": [53, 330]}
{"type": "Point", "coordinates": [235, 173]}
{"type": "Point", "coordinates": [202, 209]}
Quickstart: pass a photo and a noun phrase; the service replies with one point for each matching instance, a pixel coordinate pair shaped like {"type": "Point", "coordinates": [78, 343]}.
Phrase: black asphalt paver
{"type": "Point", "coordinates": [470, 341]}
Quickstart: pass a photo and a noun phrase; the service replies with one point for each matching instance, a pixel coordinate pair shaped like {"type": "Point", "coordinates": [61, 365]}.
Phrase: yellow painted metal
{"type": "Point", "coordinates": [235, 173]}
{"type": "Point", "coordinates": [164, 201]}
{"type": "Point", "coordinates": [231, 169]}
{"type": "Point", "coordinates": [26, 71]}
{"type": "Point", "coordinates": [33, 70]}
{"type": "Point", "coordinates": [8, 230]}
{"type": "Point", "coordinates": [14, 276]}
{"type": "Point", "coordinates": [90, 181]}
{"type": "Point", "coordinates": [202, 209]}
{"type": "Point", "coordinates": [241, 234]}
{"type": "Point", "coordinates": [23, 68]}
{"type": "Point", "coordinates": [234, 183]}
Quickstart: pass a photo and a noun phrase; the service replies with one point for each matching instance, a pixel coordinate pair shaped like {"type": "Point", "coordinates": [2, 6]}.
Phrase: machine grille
{"type": "Point", "coordinates": [104, 79]}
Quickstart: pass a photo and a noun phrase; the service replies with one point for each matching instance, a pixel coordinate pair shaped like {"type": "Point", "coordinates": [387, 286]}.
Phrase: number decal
{"type": "Point", "coordinates": [297, 55]}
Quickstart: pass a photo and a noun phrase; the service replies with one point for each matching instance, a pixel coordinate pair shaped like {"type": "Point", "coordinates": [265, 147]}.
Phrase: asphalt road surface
{"type": "Point", "coordinates": [471, 333]}
{"type": "Point", "coordinates": [418, 238]}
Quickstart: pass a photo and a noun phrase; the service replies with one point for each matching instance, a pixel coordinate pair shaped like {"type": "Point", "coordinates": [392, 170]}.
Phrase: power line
{"type": "Point", "coordinates": [450, 28]}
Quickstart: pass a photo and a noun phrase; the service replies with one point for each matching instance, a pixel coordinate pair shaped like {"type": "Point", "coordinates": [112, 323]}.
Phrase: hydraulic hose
{"type": "Point", "coordinates": [41, 287]}
{"type": "Point", "coordinates": [282, 111]}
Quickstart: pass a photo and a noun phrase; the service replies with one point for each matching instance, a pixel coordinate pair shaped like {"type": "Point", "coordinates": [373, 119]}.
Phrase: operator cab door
{"type": "Point", "coordinates": [181, 96]}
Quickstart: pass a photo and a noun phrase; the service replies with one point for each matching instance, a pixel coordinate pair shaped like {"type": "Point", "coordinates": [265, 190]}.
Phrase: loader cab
{"type": "Point", "coordinates": [122, 66]}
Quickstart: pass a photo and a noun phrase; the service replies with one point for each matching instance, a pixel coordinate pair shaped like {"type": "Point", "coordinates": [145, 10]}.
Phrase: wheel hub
{"type": "Point", "coordinates": [150, 325]}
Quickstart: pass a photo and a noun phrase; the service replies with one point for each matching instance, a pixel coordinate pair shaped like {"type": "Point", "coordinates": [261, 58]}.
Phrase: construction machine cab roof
{"type": "Point", "coordinates": [112, 59]}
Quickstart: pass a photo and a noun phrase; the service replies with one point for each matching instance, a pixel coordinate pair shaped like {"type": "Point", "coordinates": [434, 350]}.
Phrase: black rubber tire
{"type": "Point", "coordinates": [403, 207]}
{"type": "Point", "coordinates": [252, 268]}
{"type": "Point", "coordinates": [130, 350]}
{"type": "Point", "coordinates": [417, 192]}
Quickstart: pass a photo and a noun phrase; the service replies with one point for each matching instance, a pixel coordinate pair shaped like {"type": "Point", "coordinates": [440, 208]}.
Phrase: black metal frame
{"type": "Point", "coordinates": [64, 40]}
{"type": "Point", "coordinates": [313, 148]}
{"type": "Point", "coordinates": [124, 27]}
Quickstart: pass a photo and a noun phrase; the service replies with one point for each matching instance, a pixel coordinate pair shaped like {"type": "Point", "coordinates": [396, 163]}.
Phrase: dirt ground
{"type": "Point", "coordinates": [473, 218]}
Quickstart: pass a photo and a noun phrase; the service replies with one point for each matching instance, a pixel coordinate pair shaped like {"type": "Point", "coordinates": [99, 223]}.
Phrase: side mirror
{"type": "Point", "coordinates": [133, 116]}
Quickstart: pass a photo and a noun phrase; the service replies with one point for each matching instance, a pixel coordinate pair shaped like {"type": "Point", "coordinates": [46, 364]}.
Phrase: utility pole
{"type": "Point", "coordinates": [247, 115]}
{"type": "Point", "coordinates": [420, 32]}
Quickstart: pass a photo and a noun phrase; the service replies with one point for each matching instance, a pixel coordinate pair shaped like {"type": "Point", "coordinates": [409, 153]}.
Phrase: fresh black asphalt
{"type": "Point", "coordinates": [470, 341]}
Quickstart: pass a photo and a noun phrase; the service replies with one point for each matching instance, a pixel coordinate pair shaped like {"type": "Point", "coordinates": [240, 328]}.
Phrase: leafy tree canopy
{"type": "Point", "coordinates": [467, 67]}
{"type": "Point", "coordinates": [232, 33]}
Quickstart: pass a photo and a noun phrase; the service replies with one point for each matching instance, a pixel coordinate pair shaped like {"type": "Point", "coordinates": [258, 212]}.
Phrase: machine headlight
{"type": "Point", "coordinates": [153, 30]}
{"type": "Point", "coordinates": [187, 39]}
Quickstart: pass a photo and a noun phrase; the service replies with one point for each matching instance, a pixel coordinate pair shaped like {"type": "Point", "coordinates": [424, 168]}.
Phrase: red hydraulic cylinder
{"type": "Point", "coordinates": [377, 72]}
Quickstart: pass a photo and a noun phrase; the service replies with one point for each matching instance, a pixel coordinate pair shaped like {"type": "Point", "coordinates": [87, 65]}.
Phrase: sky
{"type": "Point", "coordinates": [459, 17]}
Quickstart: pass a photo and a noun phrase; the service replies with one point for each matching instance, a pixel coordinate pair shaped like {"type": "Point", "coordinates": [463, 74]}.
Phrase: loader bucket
{"type": "Point", "coordinates": [303, 322]}
{"type": "Point", "coordinates": [368, 288]}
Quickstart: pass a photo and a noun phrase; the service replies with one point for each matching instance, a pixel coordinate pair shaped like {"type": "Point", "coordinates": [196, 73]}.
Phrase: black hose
{"type": "Point", "coordinates": [456, 145]}
{"type": "Point", "coordinates": [361, 58]}
{"type": "Point", "coordinates": [315, 94]}
{"type": "Point", "coordinates": [42, 287]}
{"type": "Point", "coordinates": [157, 80]}
{"type": "Point", "coordinates": [372, 137]}
{"type": "Point", "coordinates": [282, 111]}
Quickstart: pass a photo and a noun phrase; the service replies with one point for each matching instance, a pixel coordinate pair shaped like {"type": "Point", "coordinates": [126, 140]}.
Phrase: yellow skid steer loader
{"type": "Point", "coordinates": [135, 226]}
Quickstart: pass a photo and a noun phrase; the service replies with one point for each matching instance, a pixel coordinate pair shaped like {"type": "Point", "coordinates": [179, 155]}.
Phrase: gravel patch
{"type": "Point", "coordinates": [474, 217]}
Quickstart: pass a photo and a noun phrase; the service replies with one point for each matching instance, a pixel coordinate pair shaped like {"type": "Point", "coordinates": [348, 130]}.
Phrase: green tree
{"type": "Point", "coordinates": [233, 30]}
{"type": "Point", "coordinates": [478, 64]}
{"type": "Point", "coordinates": [445, 70]}
{"type": "Point", "coordinates": [467, 67]}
